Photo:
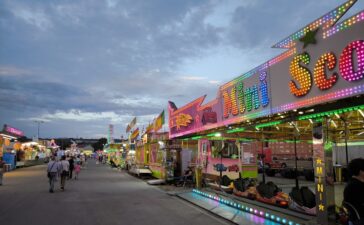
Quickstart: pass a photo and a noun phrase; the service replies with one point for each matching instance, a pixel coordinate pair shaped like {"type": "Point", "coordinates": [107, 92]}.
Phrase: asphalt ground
{"type": "Point", "coordinates": [100, 196]}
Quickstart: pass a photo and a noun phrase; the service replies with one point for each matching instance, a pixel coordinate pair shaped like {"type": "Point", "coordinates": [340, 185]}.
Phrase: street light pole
{"type": "Point", "coordinates": [38, 122]}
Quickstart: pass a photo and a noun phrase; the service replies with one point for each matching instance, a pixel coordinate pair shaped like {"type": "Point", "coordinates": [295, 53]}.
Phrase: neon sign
{"type": "Point", "coordinates": [13, 130]}
{"type": "Point", "coordinates": [349, 70]}
{"type": "Point", "coordinates": [241, 99]}
{"type": "Point", "coordinates": [330, 67]}
{"type": "Point", "coordinates": [183, 120]}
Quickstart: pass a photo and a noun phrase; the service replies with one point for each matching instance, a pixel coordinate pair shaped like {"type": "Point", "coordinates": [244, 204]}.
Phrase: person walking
{"type": "Point", "coordinates": [353, 192]}
{"type": "Point", "coordinates": [65, 166]}
{"type": "Point", "coordinates": [71, 162]}
{"type": "Point", "coordinates": [77, 170]}
{"type": "Point", "coordinates": [52, 171]}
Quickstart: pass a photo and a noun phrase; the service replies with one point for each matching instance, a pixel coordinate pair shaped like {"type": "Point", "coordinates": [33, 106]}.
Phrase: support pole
{"type": "Point", "coordinates": [295, 161]}
{"type": "Point", "coordinates": [263, 158]}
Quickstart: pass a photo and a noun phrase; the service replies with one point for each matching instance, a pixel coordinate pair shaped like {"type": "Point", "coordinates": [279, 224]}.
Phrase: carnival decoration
{"type": "Point", "coordinates": [318, 66]}
{"type": "Point", "coordinates": [183, 120]}
{"type": "Point", "coordinates": [134, 134]}
{"type": "Point", "coordinates": [159, 121]}
{"type": "Point", "coordinates": [131, 125]}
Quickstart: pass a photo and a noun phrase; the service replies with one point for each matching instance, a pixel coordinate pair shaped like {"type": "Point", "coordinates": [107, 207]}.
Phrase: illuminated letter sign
{"type": "Point", "coordinates": [320, 76]}
{"type": "Point", "coordinates": [349, 71]}
{"type": "Point", "coordinates": [247, 99]}
{"type": "Point", "coordinates": [302, 75]}
{"type": "Point", "coordinates": [230, 105]}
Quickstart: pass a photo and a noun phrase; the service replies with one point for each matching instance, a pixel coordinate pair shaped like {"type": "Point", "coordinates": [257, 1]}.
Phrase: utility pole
{"type": "Point", "coordinates": [38, 122]}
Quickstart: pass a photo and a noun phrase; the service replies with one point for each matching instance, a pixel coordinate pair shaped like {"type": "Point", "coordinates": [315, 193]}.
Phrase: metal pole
{"type": "Point", "coordinates": [295, 160]}
{"type": "Point", "coordinates": [263, 158]}
{"type": "Point", "coordinates": [38, 129]}
{"type": "Point", "coordinates": [346, 143]}
{"type": "Point", "coordinates": [223, 144]}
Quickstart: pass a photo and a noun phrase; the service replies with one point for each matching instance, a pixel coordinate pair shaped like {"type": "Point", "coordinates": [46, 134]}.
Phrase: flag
{"type": "Point", "coordinates": [159, 121]}
{"type": "Point", "coordinates": [131, 125]}
{"type": "Point", "coordinates": [134, 134]}
{"type": "Point", "coordinates": [128, 128]}
{"type": "Point", "coordinates": [149, 128]}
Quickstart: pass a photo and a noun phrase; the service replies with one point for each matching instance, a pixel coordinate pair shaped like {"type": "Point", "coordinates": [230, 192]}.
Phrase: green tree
{"type": "Point", "coordinates": [99, 145]}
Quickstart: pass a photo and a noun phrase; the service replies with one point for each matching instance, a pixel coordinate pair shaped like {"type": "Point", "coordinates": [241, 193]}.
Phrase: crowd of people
{"type": "Point", "coordinates": [63, 168]}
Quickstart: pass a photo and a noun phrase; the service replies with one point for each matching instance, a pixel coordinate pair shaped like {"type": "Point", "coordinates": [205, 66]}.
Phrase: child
{"type": "Point", "coordinates": [77, 170]}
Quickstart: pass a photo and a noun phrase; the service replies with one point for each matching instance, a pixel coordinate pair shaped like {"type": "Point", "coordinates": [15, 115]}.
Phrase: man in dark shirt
{"type": "Point", "coordinates": [354, 191]}
{"type": "Point", "coordinates": [72, 166]}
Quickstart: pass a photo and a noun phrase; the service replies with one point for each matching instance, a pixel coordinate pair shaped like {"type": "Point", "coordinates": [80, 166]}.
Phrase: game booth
{"type": "Point", "coordinates": [9, 146]}
{"type": "Point", "coordinates": [277, 140]}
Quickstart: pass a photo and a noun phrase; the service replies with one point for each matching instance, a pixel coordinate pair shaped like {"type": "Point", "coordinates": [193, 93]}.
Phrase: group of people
{"type": "Point", "coordinates": [62, 168]}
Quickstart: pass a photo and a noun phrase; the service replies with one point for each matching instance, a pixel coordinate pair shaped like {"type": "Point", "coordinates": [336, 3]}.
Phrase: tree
{"type": "Point", "coordinates": [99, 145]}
{"type": "Point", "coordinates": [63, 143]}
{"type": "Point", "coordinates": [24, 139]}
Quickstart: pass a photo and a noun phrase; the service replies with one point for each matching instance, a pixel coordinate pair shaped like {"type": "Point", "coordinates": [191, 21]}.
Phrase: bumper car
{"type": "Point", "coordinates": [270, 193]}
{"type": "Point", "coordinates": [245, 188]}
{"type": "Point", "coordinates": [303, 200]}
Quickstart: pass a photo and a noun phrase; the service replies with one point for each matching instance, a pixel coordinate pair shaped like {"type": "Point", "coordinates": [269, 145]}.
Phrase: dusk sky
{"type": "Point", "coordinates": [81, 65]}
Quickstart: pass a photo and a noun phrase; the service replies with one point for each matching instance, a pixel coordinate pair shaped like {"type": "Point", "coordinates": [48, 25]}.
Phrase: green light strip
{"type": "Point", "coordinates": [330, 113]}
{"type": "Point", "coordinates": [235, 130]}
{"type": "Point", "coordinates": [268, 124]}
{"type": "Point", "coordinates": [196, 137]}
{"type": "Point", "coordinates": [212, 134]}
{"type": "Point", "coordinates": [359, 143]}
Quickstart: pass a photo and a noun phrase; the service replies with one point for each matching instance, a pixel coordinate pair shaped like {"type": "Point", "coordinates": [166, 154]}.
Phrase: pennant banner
{"type": "Point", "coordinates": [131, 125]}
{"type": "Point", "coordinates": [159, 121]}
{"type": "Point", "coordinates": [149, 128]}
{"type": "Point", "coordinates": [135, 134]}
{"type": "Point", "coordinates": [128, 128]}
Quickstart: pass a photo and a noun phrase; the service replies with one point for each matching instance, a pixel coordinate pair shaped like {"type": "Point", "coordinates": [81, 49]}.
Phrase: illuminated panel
{"type": "Point", "coordinates": [344, 25]}
{"type": "Point", "coordinates": [330, 113]}
{"type": "Point", "coordinates": [299, 104]}
{"type": "Point", "coordinates": [347, 68]}
{"type": "Point", "coordinates": [230, 103]}
{"type": "Point", "coordinates": [264, 88]}
{"type": "Point", "coordinates": [319, 99]}
{"type": "Point", "coordinates": [241, 97]}
{"type": "Point", "coordinates": [301, 75]}
{"type": "Point", "coordinates": [252, 210]}
{"type": "Point", "coordinates": [320, 76]}
{"type": "Point", "coordinates": [327, 20]}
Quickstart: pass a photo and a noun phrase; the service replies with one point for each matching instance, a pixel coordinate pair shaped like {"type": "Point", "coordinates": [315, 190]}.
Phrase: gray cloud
{"type": "Point", "coordinates": [111, 60]}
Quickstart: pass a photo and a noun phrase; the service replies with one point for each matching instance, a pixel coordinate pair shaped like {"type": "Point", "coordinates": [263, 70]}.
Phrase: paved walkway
{"type": "Point", "coordinates": [101, 196]}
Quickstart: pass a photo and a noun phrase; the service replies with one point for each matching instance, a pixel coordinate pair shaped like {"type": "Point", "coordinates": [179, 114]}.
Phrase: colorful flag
{"type": "Point", "coordinates": [131, 125]}
{"type": "Point", "coordinates": [149, 128]}
{"type": "Point", "coordinates": [128, 128]}
{"type": "Point", "coordinates": [134, 134]}
{"type": "Point", "coordinates": [159, 121]}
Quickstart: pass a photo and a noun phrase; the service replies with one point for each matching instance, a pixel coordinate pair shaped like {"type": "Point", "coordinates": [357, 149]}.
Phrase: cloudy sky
{"type": "Point", "coordinates": [81, 65]}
